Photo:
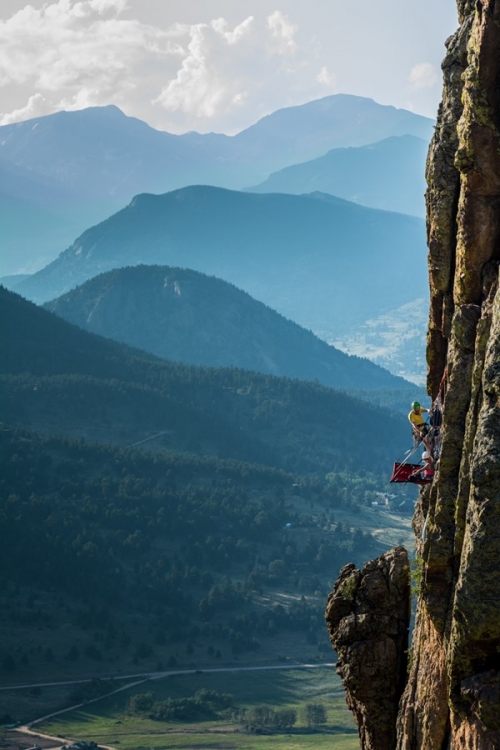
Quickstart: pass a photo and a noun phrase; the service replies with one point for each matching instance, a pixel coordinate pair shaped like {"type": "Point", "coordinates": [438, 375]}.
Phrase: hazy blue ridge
{"type": "Point", "coordinates": [66, 171]}
{"type": "Point", "coordinates": [10, 282]}
{"type": "Point", "coordinates": [101, 148]}
{"type": "Point", "coordinates": [389, 175]}
{"type": "Point", "coordinates": [321, 261]}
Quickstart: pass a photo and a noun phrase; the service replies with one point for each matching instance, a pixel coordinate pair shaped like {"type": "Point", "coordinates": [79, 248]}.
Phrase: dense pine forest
{"type": "Point", "coordinates": [155, 514]}
{"type": "Point", "coordinates": [199, 547]}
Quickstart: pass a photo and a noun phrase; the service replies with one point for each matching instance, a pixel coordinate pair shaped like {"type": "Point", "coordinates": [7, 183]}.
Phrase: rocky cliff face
{"type": "Point", "coordinates": [452, 694]}
{"type": "Point", "coordinates": [368, 614]}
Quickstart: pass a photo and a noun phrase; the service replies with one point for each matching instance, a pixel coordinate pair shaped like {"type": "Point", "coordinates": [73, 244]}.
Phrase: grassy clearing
{"type": "Point", "coordinates": [107, 721]}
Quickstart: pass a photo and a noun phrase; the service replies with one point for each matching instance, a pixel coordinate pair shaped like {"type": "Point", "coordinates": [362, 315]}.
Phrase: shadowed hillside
{"type": "Point", "coordinates": [60, 379]}
{"type": "Point", "coordinates": [189, 317]}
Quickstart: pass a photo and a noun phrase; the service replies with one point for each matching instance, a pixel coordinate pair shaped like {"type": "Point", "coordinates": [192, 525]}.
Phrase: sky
{"type": "Point", "coordinates": [218, 65]}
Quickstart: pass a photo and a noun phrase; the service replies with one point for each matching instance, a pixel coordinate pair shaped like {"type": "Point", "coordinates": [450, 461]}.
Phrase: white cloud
{"type": "Point", "coordinates": [70, 54]}
{"type": "Point", "coordinates": [37, 106]}
{"type": "Point", "coordinates": [66, 43]}
{"type": "Point", "coordinates": [283, 31]}
{"type": "Point", "coordinates": [257, 66]}
{"type": "Point", "coordinates": [327, 78]}
{"type": "Point", "coordinates": [232, 37]}
{"type": "Point", "coordinates": [202, 83]}
{"type": "Point", "coordinates": [104, 5]}
{"type": "Point", "coordinates": [74, 54]}
{"type": "Point", "coordinates": [423, 76]}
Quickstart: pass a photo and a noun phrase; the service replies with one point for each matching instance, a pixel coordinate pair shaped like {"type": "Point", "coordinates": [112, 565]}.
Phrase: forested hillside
{"type": "Point", "coordinates": [183, 315]}
{"type": "Point", "coordinates": [115, 557]}
{"type": "Point", "coordinates": [200, 550]}
{"type": "Point", "coordinates": [59, 379]}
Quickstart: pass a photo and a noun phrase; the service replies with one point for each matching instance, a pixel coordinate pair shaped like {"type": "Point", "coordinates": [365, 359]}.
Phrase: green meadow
{"type": "Point", "coordinates": [108, 722]}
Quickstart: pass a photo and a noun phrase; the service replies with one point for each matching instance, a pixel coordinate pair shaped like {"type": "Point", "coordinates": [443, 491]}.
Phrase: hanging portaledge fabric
{"type": "Point", "coordinates": [408, 473]}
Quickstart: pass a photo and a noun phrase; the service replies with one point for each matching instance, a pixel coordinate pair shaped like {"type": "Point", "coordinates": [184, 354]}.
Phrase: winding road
{"type": "Point", "coordinates": [137, 679]}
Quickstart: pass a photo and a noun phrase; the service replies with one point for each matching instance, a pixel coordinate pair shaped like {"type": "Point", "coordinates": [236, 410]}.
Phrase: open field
{"type": "Point", "coordinates": [109, 723]}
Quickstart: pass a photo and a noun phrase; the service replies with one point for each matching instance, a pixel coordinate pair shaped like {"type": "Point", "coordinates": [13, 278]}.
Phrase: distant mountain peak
{"type": "Point", "coordinates": [388, 174]}
{"type": "Point", "coordinates": [181, 314]}
{"type": "Point", "coordinates": [93, 161]}
{"type": "Point", "coordinates": [311, 258]}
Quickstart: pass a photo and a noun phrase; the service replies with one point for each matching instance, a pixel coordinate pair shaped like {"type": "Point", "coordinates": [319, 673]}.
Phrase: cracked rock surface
{"type": "Point", "coordinates": [368, 615]}
{"type": "Point", "coordinates": [452, 694]}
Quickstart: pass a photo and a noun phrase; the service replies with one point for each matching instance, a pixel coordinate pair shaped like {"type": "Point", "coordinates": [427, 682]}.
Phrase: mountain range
{"type": "Point", "coordinates": [189, 317]}
{"type": "Point", "coordinates": [39, 216]}
{"type": "Point", "coordinates": [319, 260]}
{"type": "Point", "coordinates": [61, 173]}
{"type": "Point", "coordinates": [389, 174]}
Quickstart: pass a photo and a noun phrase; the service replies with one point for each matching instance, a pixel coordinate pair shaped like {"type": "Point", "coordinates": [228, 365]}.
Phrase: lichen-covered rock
{"type": "Point", "coordinates": [443, 179]}
{"type": "Point", "coordinates": [452, 696]}
{"type": "Point", "coordinates": [368, 617]}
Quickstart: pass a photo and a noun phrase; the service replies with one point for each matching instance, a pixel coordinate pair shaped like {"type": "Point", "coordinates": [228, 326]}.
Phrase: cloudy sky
{"type": "Point", "coordinates": [217, 65]}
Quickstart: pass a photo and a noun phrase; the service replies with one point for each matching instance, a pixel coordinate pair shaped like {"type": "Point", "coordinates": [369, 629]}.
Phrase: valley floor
{"type": "Point", "coordinates": [109, 722]}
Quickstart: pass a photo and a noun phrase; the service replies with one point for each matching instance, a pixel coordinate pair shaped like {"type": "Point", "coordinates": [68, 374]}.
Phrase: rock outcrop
{"type": "Point", "coordinates": [452, 695]}
{"type": "Point", "coordinates": [368, 615]}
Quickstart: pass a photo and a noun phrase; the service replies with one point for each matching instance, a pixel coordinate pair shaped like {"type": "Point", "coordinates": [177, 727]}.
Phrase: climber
{"type": "Point", "coordinates": [419, 425]}
{"type": "Point", "coordinates": [428, 472]}
{"type": "Point", "coordinates": [423, 473]}
{"type": "Point", "coordinates": [435, 422]}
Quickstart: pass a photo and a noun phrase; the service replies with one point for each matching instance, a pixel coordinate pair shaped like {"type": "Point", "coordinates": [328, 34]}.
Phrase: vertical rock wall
{"type": "Point", "coordinates": [452, 695]}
